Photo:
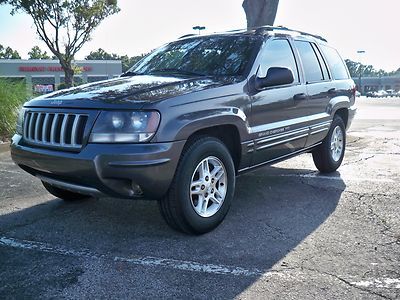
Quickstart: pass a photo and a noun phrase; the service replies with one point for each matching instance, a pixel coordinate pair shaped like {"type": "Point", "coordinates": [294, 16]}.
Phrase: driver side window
{"type": "Point", "coordinates": [278, 53]}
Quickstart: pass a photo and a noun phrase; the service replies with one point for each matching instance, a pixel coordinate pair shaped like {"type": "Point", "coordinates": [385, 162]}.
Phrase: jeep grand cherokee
{"type": "Point", "coordinates": [189, 117]}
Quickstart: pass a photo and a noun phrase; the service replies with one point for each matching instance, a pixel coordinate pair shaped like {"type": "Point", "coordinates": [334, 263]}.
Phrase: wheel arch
{"type": "Point", "coordinates": [228, 134]}
{"type": "Point", "coordinates": [340, 106]}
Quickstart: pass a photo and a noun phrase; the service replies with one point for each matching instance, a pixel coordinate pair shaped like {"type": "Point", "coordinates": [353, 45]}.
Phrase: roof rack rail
{"type": "Point", "coordinates": [187, 35]}
{"type": "Point", "coordinates": [260, 30]}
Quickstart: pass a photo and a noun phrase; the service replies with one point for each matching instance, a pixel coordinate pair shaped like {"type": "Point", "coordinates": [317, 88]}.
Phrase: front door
{"type": "Point", "coordinates": [276, 121]}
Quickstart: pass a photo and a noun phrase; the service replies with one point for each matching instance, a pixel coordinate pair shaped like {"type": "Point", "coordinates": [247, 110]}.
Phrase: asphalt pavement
{"type": "Point", "coordinates": [291, 233]}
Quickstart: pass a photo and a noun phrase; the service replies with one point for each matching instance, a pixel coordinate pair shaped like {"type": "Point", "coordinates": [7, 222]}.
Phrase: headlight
{"type": "Point", "coordinates": [125, 127]}
{"type": "Point", "coordinates": [20, 121]}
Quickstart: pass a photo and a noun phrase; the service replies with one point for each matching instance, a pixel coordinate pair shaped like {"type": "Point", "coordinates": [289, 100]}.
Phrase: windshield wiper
{"type": "Point", "coordinates": [129, 73]}
{"type": "Point", "coordinates": [179, 71]}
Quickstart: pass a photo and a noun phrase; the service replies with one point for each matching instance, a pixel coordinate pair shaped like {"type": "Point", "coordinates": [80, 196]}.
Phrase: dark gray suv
{"type": "Point", "coordinates": [185, 120]}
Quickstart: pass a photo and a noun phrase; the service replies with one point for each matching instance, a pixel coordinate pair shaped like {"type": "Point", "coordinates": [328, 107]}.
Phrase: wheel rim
{"type": "Point", "coordinates": [208, 186]}
{"type": "Point", "coordinates": [337, 143]}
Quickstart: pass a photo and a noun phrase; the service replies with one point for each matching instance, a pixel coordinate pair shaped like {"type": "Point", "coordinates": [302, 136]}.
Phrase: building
{"type": "Point", "coordinates": [370, 84]}
{"type": "Point", "coordinates": [42, 75]}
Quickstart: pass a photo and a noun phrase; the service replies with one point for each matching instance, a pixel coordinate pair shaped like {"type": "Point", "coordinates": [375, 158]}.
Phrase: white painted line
{"type": "Point", "coordinates": [137, 260]}
{"type": "Point", "coordinates": [387, 283]}
{"type": "Point", "coordinates": [343, 178]}
{"type": "Point", "coordinates": [191, 266]}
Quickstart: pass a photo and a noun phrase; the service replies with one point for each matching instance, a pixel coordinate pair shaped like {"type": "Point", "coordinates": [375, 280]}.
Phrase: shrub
{"type": "Point", "coordinates": [61, 86]}
{"type": "Point", "coordinates": [13, 94]}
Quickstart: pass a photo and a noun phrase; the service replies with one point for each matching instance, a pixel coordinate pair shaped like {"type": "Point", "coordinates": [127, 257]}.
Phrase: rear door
{"type": "Point", "coordinates": [275, 125]}
{"type": "Point", "coordinates": [320, 90]}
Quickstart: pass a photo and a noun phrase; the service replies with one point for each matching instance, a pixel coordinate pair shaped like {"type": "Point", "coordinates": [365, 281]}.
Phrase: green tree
{"type": "Point", "coordinates": [8, 53]}
{"type": "Point", "coordinates": [260, 12]}
{"type": "Point", "coordinates": [65, 25]}
{"type": "Point", "coordinates": [37, 53]}
{"type": "Point", "coordinates": [354, 67]}
{"type": "Point", "coordinates": [367, 70]}
{"type": "Point", "coordinates": [101, 54]}
{"type": "Point", "coordinates": [126, 61]}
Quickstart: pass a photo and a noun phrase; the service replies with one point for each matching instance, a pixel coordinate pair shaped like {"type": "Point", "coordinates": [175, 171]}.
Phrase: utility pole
{"type": "Point", "coordinates": [359, 52]}
{"type": "Point", "coordinates": [199, 28]}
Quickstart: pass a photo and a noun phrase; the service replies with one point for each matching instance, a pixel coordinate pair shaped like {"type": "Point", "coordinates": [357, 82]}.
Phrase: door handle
{"type": "Point", "coordinates": [299, 97]}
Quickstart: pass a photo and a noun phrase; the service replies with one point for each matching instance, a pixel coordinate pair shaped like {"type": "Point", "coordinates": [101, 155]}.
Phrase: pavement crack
{"type": "Point", "coordinates": [320, 188]}
{"type": "Point", "coordinates": [38, 219]}
{"type": "Point", "coordinates": [356, 140]}
{"type": "Point", "coordinates": [358, 160]}
{"type": "Point", "coordinates": [345, 281]}
{"type": "Point", "coordinates": [280, 232]}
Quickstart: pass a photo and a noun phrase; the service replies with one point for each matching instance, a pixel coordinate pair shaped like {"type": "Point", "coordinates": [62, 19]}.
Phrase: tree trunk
{"type": "Point", "coordinates": [260, 12]}
{"type": "Point", "coordinates": [69, 75]}
{"type": "Point", "coordinates": [68, 72]}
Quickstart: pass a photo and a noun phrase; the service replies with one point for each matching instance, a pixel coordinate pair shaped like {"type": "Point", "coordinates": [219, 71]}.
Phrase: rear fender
{"type": "Point", "coordinates": [337, 103]}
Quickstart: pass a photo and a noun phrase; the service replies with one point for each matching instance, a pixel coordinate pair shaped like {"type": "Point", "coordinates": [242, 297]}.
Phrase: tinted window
{"type": "Point", "coordinates": [312, 68]}
{"type": "Point", "coordinates": [203, 56]}
{"type": "Point", "coordinates": [335, 63]}
{"type": "Point", "coordinates": [278, 53]}
{"type": "Point", "coordinates": [321, 62]}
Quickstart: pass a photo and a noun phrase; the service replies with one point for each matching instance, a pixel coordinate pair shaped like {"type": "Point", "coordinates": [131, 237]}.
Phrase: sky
{"type": "Point", "coordinates": [140, 26]}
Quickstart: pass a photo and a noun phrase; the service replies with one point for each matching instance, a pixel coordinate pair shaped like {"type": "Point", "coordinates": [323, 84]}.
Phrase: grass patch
{"type": "Point", "coordinates": [13, 94]}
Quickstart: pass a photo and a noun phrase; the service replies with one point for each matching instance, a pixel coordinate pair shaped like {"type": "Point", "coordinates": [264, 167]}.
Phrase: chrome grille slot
{"type": "Point", "coordinates": [55, 129]}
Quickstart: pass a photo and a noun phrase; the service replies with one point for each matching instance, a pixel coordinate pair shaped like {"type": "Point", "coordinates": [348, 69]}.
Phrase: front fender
{"type": "Point", "coordinates": [182, 127]}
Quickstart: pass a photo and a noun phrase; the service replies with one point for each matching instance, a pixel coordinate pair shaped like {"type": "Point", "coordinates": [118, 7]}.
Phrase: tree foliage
{"type": "Point", "coordinates": [367, 70]}
{"type": "Point", "coordinates": [101, 54]}
{"type": "Point", "coordinates": [127, 61]}
{"type": "Point", "coordinates": [37, 53]}
{"type": "Point", "coordinates": [8, 53]}
{"type": "Point", "coordinates": [65, 25]}
{"type": "Point", "coordinates": [260, 12]}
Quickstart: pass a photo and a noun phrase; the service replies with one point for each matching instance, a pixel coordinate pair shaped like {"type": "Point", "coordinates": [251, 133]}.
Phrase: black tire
{"type": "Point", "coordinates": [63, 194]}
{"type": "Point", "coordinates": [323, 157]}
{"type": "Point", "coordinates": [177, 206]}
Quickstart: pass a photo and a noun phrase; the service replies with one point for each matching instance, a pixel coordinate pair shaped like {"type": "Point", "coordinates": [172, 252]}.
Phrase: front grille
{"type": "Point", "coordinates": [55, 130]}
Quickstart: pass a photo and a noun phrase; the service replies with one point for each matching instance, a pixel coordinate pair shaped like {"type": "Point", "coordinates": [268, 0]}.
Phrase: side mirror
{"type": "Point", "coordinates": [275, 76]}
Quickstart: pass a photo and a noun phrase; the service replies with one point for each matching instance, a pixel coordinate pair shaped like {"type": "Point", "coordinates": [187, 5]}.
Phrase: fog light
{"type": "Point", "coordinates": [137, 191]}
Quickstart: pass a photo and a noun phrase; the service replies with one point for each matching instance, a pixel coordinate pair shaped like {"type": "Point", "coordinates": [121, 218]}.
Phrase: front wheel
{"type": "Point", "coordinates": [329, 155]}
{"type": "Point", "coordinates": [203, 187]}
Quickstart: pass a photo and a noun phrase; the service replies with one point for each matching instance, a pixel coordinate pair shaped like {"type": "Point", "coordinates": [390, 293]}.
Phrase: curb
{"type": "Point", "coordinates": [5, 147]}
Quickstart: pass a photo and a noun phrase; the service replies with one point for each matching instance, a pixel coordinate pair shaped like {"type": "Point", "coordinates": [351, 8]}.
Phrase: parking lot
{"type": "Point", "coordinates": [291, 233]}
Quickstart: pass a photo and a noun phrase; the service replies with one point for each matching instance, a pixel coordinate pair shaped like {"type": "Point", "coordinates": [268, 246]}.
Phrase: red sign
{"type": "Point", "coordinates": [49, 69]}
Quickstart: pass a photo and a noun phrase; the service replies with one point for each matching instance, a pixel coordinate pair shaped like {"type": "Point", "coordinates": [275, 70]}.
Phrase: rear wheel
{"type": "Point", "coordinates": [329, 155]}
{"type": "Point", "coordinates": [203, 187]}
{"type": "Point", "coordinates": [63, 194]}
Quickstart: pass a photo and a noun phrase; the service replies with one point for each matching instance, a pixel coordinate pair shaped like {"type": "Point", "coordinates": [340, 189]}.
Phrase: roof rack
{"type": "Point", "coordinates": [187, 35]}
{"type": "Point", "coordinates": [260, 30]}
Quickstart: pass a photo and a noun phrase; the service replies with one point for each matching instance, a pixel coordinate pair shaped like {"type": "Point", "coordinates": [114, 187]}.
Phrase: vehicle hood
{"type": "Point", "coordinates": [132, 92]}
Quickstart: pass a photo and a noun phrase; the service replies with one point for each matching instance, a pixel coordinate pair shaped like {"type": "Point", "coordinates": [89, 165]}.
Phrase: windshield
{"type": "Point", "coordinates": [206, 56]}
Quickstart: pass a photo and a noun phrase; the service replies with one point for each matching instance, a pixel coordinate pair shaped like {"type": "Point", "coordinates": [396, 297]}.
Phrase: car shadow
{"type": "Point", "coordinates": [271, 214]}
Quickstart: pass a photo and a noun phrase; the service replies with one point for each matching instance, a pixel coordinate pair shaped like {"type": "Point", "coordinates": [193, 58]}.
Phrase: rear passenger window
{"type": "Point", "coordinates": [321, 62]}
{"type": "Point", "coordinates": [311, 65]}
{"type": "Point", "coordinates": [335, 63]}
{"type": "Point", "coordinates": [278, 53]}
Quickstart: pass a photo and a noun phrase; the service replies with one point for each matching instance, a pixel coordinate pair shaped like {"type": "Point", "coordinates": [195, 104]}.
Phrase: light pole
{"type": "Point", "coordinates": [199, 28]}
{"type": "Point", "coordinates": [359, 52]}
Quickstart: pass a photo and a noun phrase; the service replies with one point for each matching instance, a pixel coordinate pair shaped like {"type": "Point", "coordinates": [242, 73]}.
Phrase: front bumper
{"type": "Point", "coordinates": [110, 169]}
